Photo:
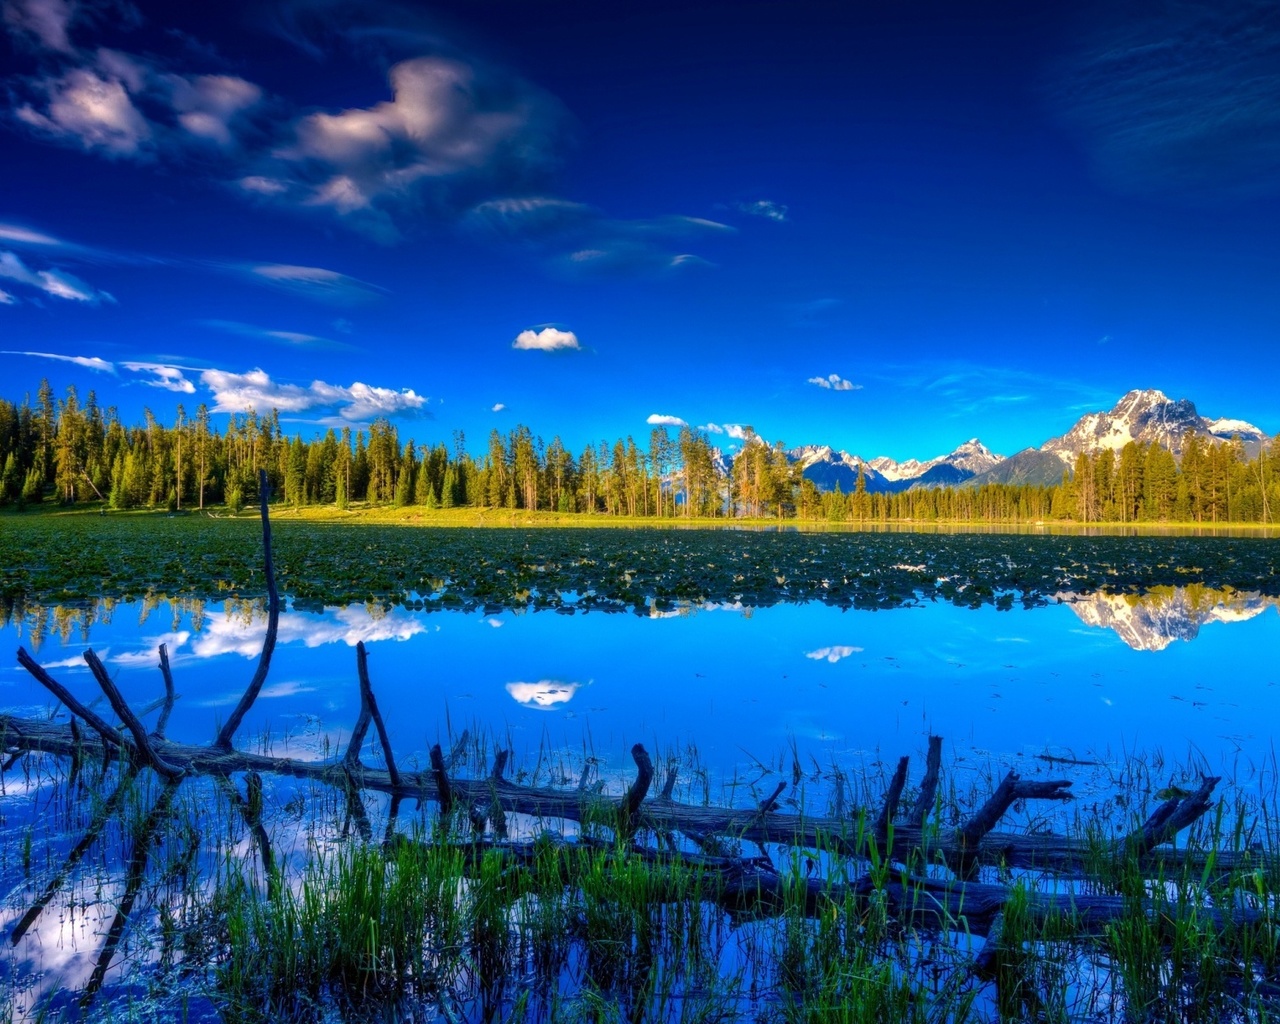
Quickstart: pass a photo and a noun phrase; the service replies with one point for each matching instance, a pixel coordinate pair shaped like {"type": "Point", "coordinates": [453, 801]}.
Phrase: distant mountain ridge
{"type": "Point", "coordinates": [1143, 416]}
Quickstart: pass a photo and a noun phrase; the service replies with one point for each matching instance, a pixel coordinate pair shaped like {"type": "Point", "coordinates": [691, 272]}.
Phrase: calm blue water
{"type": "Point", "coordinates": [1177, 672]}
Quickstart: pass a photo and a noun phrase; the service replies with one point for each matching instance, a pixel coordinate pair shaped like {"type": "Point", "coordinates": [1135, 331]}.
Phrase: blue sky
{"type": "Point", "coordinates": [887, 228]}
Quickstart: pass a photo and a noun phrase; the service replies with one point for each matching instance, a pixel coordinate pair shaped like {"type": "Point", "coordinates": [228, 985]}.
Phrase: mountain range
{"type": "Point", "coordinates": [1143, 416]}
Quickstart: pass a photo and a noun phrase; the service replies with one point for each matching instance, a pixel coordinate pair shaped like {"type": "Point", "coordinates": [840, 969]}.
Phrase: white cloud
{"type": "Point", "coordinates": [834, 382]}
{"type": "Point", "coordinates": [657, 419]}
{"type": "Point", "coordinates": [712, 428]}
{"type": "Point", "coordinates": [170, 378]}
{"type": "Point", "coordinates": [207, 104]}
{"type": "Point", "coordinates": [6, 299]}
{"type": "Point", "coordinates": [313, 283]}
{"type": "Point", "coordinates": [549, 339]}
{"type": "Point", "coordinates": [230, 634]}
{"type": "Point", "coordinates": [498, 407]}
{"type": "Point", "coordinates": [56, 283]}
{"type": "Point", "coordinates": [47, 20]}
{"type": "Point", "coordinates": [763, 208]}
{"type": "Point", "coordinates": [737, 431]}
{"type": "Point", "coordinates": [833, 654]}
{"type": "Point", "coordinates": [89, 362]}
{"type": "Point", "coordinates": [543, 695]}
{"type": "Point", "coordinates": [238, 392]}
{"type": "Point", "coordinates": [91, 109]}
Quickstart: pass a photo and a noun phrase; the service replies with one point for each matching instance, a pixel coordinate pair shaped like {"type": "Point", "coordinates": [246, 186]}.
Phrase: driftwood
{"type": "Point", "coordinates": [907, 838]}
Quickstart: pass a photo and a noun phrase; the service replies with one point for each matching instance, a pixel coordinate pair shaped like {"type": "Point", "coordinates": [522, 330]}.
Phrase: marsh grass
{"type": "Point", "coordinates": [436, 922]}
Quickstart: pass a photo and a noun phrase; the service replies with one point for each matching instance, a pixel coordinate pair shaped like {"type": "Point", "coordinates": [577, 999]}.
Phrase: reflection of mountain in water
{"type": "Point", "coordinates": [1152, 621]}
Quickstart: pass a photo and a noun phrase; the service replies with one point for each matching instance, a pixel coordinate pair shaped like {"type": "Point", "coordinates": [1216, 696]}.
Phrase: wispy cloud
{"type": "Point", "coordinates": [548, 339]}
{"type": "Point", "coordinates": [88, 362]}
{"type": "Point", "coordinates": [834, 382]}
{"type": "Point", "coordinates": [298, 338]}
{"type": "Point", "coordinates": [657, 419]}
{"type": "Point", "coordinates": [765, 208]}
{"type": "Point", "coordinates": [579, 240]}
{"type": "Point", "coordinates": [43, 22]}
{"type": "Point", "coordinates": [1179, 100]}
{"type": "Point", "coordinates": [6, 299]}
{"type": "Point", "coordinates": [965, 389]}
{"type": "Point", "coordinates": [316, 283]}
{"type": "Point", "coordinates": [56, 283]}
{"type": "Point", "coordinates": [164, 376]}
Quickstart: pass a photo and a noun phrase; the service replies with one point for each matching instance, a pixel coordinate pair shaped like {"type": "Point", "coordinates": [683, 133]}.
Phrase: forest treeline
{"type": "Point", "coordinates": [68, 451]}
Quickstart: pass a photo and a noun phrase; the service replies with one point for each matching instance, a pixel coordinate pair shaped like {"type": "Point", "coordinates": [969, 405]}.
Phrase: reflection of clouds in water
{"type": "Point", "coordinates": [224, 634]}
{"type": "Point", "coordinates": [832, 654]}
{"type": "Point", "coordinates": [288, 689]}
{"type": "Point", "coordinates": [545, 694]}
{"type": "Point", "coordinates": [495, 623]}
{"type": "Point", "coordinates": [151, 654]}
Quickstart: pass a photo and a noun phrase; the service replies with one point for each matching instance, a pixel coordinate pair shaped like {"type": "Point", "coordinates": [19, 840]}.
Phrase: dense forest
{"type": "Point", "coordinates": [68, 451]}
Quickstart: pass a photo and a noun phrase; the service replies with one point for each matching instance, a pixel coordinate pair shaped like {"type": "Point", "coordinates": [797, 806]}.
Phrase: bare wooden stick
{"type": "Point", "coordinates": [499, 764]}
{"type": "Point", "coordinates": [444, 792]}
{"type": "Point", "coordinates": [458, 750]}
{"type": "Point", "coordinates": [1171, 817]}
{"type": "Point", "coordinates": [892, 796]}
{"type": "Point", "coordinates": [125, 713]}
{"type": "Point", "coordinates": [630, 809]}
{"type": "Point", "coordinates": [233, 721]}
{"type": "Point", "coordinates": [929, 785]}
{"type": "Point", "coordinates": [169, 695]}
{"type": "Point", "coordinates": [109, 736]}
{"type": "Point", "coordinates": [668, 787]}
{"type": "Point", "coordinates": [1011, 788]}
{"type": "Point", "coordinates": [769, 802]}
{"type": "Point", "coordinates": [367, 700]}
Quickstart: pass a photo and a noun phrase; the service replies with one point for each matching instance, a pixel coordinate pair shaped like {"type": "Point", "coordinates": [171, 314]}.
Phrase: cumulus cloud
{"type": "Point", "coordinates": [543, 695]}
{"type": "Point", "coordinates": [549, 339]}
{"type": "Point", "coordinates": [498, 407]}
{"type": "Point", "coordinates": [316, 283]}
{"type": "Point", "coordinates": [833, 654]}
{"type": "Point", "coordinates": [737, 431]}
{"type": "Point", "coordinates": [53, 282]}
{"type": "Point", "coordinates": [657, 419]}
{"type": "Point", "coordinates": [358, 402]}
{"type": "Point", "coordinates": [763, 208]}
{"type": "Point", "coordinates": [164, 376]}
{"type": "Point", "coordinates": [88, 362]}
{"type": "Point", "coordinates": [834, 382]}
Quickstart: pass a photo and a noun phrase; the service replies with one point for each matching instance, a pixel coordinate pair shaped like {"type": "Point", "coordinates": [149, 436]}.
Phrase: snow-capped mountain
{"type": "Point", "coordinates": [1143, 416]}
{"type": "Point", "coordinates": [1153, 621]}
{"type": "Point", "coordinates": [1146, 417]}
{"type": "Point", "coordinates": [827, 467]}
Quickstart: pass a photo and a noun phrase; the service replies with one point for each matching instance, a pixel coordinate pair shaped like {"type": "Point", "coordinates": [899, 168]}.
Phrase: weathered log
{"type": "Point", "coordinates": [1046, 852]}
{"type": "Point", "coordinates": [444, 791]}
{"type": "Point", "coordinates": [629, 808]}
{"type": "Point", "coordinates": [229, 727]}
